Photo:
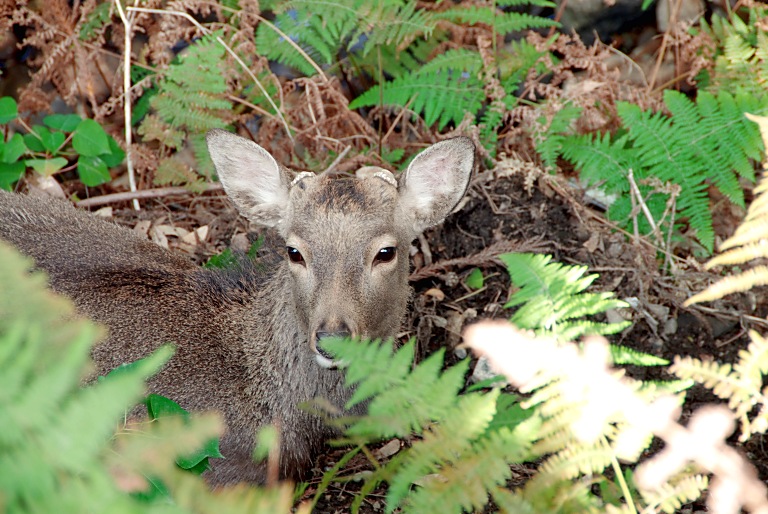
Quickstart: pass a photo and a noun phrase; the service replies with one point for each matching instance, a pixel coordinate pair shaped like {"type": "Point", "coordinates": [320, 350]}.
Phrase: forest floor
{"type": "Point", "coordinates": [502, 214]}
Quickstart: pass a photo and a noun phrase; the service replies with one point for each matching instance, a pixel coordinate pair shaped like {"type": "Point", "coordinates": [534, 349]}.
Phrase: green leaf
{"type": "Point", "coordinates": [475, 279]}
{"type": "Point", "coordinates": [33, 142]}
{"type": "Point", "coordinates": [63, 122]}
{"type": "Point", "coordinates": [10, 173]}
{"type": "Point", "coordinates": [90, 139]}
{"type": "Point", "coordinates": [159, 407]}
{"type": "Point", "coordinates": [622, 355]}
{"type": "Point", "coordinates": [46, 166]}
{"type": "Point", "coordinates": [52, 141]}
{"type": "Point", "coordinates": [9, 109]}
{"type": "Point", "coordinates": [93, 171]}
{"type": "Point", "coordinates": [116, 154]}
{"type": "Point", "coordinates": [225, 259]}
{"type": "Point", "coordinates": [12, 149]}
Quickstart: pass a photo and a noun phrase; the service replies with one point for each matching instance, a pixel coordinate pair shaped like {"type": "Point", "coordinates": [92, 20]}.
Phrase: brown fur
{"type": "Point", "coordinates": [246, 339]}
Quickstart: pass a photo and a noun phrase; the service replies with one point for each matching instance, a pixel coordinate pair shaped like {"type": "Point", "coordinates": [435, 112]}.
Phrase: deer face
{"type": "Point", "coordinates": [346, 240]}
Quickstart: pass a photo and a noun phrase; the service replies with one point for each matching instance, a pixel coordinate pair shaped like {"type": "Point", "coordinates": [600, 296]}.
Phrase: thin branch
{"type": "Point", "coordinates": [143, 194]}
{"type": "Point", "coordinates": [643, 205]}
{"type": "Point", "coordinates": [337, 160]}
{"type": "Point", "coordinates": [127, 99]}
{"type": "Point", "coordinates": [484, 257]}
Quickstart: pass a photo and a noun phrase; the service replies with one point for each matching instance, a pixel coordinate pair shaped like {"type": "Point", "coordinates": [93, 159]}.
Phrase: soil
{"type": "Point", "coordinates": [502, 215]}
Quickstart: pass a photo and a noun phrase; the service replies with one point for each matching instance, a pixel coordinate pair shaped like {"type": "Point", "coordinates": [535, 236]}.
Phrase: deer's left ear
{"type": "Point", "coordinates": [436, 181]}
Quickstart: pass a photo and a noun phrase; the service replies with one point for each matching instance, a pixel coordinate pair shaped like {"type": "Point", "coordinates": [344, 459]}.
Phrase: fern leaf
{"type": "Point", "coordinates": [671, 496]}
{"type": "Point", "coordinates": [554, 299]}
{"type": "Point", "coordinates": [502, 22]}
{"type": "Point", "coordinates": [396, 24]}
{"type": "Point", "coordinates": [703, 142]}
{"type": "Point", "coordinates": [174, 171]}
{"type": "Point", "coordinates": [404, 400]}
{"type": "Point", "coordinates": [549, 143]}
{"type": "Point", "coordinates": [464, 484]}
{"type": "Point", "coordinates": [572, 462]}
{"type": "Point", "coordinates": [751, 231]}
{"type": "Point", "coordinates": [468, 61]}
{"type": "Point", "coordinates": [601, 160]}
{"type": "Point", "coordinates": [757, 276]}
{"type": "Point", "coordinates": [625, 355]}
{"type": "Point", "coordinates": [746, 253]}
{"type": "Point", "coordinates": [753, 362]}
{"type": "Point", "coordinates": [443, 96]}
{"type": "Point", "coordinates": [510, 503]}
{"type": "Point", "coordinates": [448, 449]}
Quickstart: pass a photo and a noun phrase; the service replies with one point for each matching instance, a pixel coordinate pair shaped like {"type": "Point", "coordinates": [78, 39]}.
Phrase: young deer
{"type": "Point", "coordinates": [246, 339]}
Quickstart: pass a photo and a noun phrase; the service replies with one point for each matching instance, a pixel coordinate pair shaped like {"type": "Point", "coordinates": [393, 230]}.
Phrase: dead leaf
{"type": "Point", "coordinates": [594, 242]}
{"type": "Point", "coordinates": [198, 235]}
{"type": "Point", "coordinates": [435, 293]}
{"type": "Point", "coordinates": [142, 227]}
{"type": "Point", "coordinates": [104, 212]}
{"type": "Point", "coordinates": [388, 449]}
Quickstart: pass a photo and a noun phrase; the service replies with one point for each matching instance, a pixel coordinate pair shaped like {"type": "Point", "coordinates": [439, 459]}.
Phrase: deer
{"type": "Point", "coordinates": [246, 338]}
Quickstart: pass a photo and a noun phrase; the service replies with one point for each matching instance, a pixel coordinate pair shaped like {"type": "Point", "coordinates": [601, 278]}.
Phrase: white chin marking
{"type": "Point", "coordinates": [325, 362]}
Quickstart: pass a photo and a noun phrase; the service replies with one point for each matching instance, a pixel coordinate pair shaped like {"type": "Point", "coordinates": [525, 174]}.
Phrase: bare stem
{"type": "Point", "coordinates": [127, 99]}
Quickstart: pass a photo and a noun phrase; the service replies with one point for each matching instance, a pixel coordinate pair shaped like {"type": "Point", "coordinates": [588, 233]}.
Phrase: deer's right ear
{"type": "Point", "coordinates": [251, 177]}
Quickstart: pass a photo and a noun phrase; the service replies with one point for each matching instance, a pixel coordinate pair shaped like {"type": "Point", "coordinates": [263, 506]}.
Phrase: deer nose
{"type": "Point", "coordinates": [321, 334]}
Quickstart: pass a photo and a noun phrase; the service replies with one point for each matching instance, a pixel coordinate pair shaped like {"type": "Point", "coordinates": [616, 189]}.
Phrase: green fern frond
{"type": "Point", "coordinates": [464, 59]}
{"type": "Point", "coordinates": [594, 155]}
{"type": "Point", "coordinates": [622, 355]}
{"type": "Point", "coordinates": [394, 24]}
{"type": "Point", "coordinates": [195, 81]}
{"type": "Point", "coordinates": [463, 485]}
{"type": "Point", "coordinates": [510, 503]}
{"type": "Point", "coordinates": [701, 143]}
{"type": "Point", "coordinates": [549, 140]}
{"type": "Point", "coordinates": [520, 3]}
{"type": "Point", "coordinates": [443, 443]}
{"type": "Point", "coordinates": [502, 22]}
{"type": "Point", "coordinates": [325, 28]}
{"type": "Point", "coordinates": [403, 400]}
{"type": "Point", "coordinates": [301, 29]}
{"type": "Point", "coordinates": [467, 442]}
{"type": "Point", "coordinates": [443, 96]}
{"type": "Point", "coordinates": [740, 49]}
{"type": "Point", "coordinates": [746, 244]}
{"type": "Point", "coordinates": [553, 297]}
{"type": "Point", "coordinates": [190, 100]}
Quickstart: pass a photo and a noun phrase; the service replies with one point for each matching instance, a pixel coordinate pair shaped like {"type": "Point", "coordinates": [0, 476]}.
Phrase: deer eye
{"type": "Point", "coordinates": [386, 254]}
{"type": "Point", "coordinates": [294, 255]}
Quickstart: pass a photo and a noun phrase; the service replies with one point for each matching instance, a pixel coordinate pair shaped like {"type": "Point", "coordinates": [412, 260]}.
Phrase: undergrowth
{"type": "Point", "coordinates": [316, 80]}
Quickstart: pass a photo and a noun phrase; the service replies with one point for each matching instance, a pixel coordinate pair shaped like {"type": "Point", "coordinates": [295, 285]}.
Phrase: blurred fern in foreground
{"type": "Point", "coordinates": [58, 448]}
